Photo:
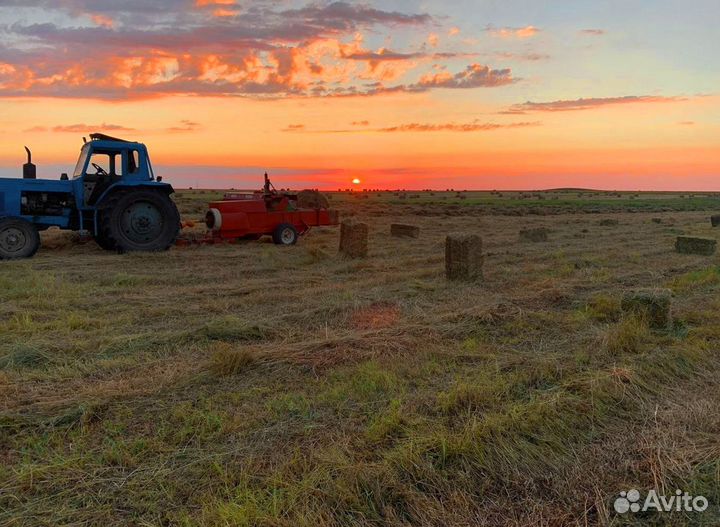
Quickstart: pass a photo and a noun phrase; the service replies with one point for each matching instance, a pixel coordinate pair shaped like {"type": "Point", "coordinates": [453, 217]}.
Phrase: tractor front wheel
{"type": "Point", "coordinates": [141, 220]}
{"type": "Point", "coordinates": [18, 239]}
{"type": "Point", "coordinates": [285, 234]}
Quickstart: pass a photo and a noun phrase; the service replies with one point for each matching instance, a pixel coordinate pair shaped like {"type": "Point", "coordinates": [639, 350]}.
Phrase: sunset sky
{"type": "Point", "coordinates": [473, 94]}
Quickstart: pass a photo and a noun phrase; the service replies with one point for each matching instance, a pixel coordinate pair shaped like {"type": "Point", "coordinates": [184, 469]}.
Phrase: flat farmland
{"type": "Point", "coordinates": [252, 384]}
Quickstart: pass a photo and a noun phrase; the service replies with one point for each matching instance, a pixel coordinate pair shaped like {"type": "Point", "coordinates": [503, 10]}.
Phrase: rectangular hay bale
{"type": "Point", "coordinates": [695, 245]}
{"type": "Point", "coordinates": [354, 239]}
{"type": "Point", "coordinates": [654, 304]}
{"type": "Point", "coordinates": [463, 257]}
{"type": "Point", "coordinates": [715, 220]}
{"type": "Point", "coordinates": [404, 231]}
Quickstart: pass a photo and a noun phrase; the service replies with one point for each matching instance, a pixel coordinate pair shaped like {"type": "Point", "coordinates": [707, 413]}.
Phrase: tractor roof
{"type": "Point", "coordinates": [109, 139]}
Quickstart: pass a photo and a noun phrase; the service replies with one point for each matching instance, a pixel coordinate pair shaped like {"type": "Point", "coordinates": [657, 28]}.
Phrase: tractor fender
{"type": "Point", "coordinates": [122, 185]}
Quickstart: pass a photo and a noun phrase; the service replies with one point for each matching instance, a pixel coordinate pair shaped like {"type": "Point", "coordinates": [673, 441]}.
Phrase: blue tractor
{"type": "Point", "coordinates": [112, 194]}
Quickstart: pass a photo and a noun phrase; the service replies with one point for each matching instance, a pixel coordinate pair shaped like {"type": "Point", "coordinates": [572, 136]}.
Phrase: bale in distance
{"type": "Point", "coordinates": [353, 239]}
{"type": "Point", "coordinates": [651, 304]}
{"type": "Point", "coordinates": [715, 220]}
{"type": "Point", "coordinates": [694, 245]}
{"type": "Point", "coordinates": [463, 257]}
{"type": "Point", "coordinates": [539, 234]}
{"type": "Point", "coordinates": [404, 231]}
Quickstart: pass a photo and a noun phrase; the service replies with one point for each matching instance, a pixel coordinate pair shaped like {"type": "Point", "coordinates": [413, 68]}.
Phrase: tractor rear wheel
{"type": "Point", "coordinates": [285, 234]}
{"type": "Point", "coordinates": [141, 220]}
{"type": "Point", "coordinates": [18, 239]}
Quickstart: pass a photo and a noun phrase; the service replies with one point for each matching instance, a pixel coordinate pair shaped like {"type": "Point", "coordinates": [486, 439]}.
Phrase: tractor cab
{"type": "Point", "coordinates": [107, 160]}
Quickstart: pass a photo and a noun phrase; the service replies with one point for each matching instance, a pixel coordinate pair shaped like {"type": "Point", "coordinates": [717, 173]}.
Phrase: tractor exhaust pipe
{"type": "Point", "coordinates": [29, 169]}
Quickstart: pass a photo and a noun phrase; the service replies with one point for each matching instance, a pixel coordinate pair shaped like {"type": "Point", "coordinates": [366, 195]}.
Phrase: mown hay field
{"type": "Point", "coordinates": [251, 384]}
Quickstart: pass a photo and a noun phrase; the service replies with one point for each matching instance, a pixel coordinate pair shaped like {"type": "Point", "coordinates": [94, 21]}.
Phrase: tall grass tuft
{"type": "Point", "coordinates": [226, 361]}
{"type": "Point", "coordinates": [631, 335]}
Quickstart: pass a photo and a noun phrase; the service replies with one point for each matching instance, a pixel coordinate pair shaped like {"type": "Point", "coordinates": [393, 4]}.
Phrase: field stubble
{"type": "Point", "coordinates": [251, 384]}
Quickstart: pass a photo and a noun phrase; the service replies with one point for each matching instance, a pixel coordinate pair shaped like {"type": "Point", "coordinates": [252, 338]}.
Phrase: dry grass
{"type": "Point", "coordinates": [249, 385]}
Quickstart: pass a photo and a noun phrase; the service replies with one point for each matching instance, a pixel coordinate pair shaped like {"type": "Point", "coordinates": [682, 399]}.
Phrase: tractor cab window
{"type": "Point", "coordinates": [133, 161]}
{"type": "Point", "coordinates": [81, 161]}
{"type": "Point", "coordinates": [105, 164]}
{"type": "Point", "coordinates": [104, 168]}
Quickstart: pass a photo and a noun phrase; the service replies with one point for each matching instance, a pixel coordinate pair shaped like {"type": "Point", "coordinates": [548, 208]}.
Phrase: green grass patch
{"type": "Point", "coordinates": [700, 279]}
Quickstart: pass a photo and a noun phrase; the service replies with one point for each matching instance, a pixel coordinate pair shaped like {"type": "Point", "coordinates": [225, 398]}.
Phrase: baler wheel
{"type": "Point", "coordinates": [18, 238]}
{"type": "Point", "coordinates": [140, 220]}
{"type": "Point", "coordinates": [285, 234]}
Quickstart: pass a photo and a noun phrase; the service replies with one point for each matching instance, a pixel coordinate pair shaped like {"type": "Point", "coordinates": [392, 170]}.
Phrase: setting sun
{"type": "Point", "coordinates": [356, 181]}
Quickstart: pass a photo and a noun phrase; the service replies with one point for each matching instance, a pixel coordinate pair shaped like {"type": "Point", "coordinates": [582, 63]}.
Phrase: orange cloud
{"type": "Point", "coordinates": [185, 126]}
{"type": "Point", "coordinates": [294, 128]}
{"type": "Point", "coordinates": [455, 127]}
{"type": "Point", "coordinates": [474, 76]}
{"type": "Point", "coordinates": [475, 126]}
{"type": "Point", "coordinates": [224, 13]}
{"type": "Point", "coordinates": [102, 20]}
{"type": "Point", "coordinates": [513, 32]}
{"type": "Point", "coordinates": [205, 3]}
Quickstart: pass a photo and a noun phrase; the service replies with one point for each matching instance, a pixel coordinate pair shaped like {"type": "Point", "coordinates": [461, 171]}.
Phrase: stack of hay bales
{"type": "Point", "coordinates": [694, 245]}
{"type": "Point", "coordinates": [651, 304]}
{"type": "Point", "coordinates": [404, 231]}
{"type": "Point", "coordinates": [463, 257]}
{"type": "Point", "coordinates": [353, 239]}
{"type": "Point", "coordinates": [538, 234]}
{"type": "Point", "coordinates": [312, 199]}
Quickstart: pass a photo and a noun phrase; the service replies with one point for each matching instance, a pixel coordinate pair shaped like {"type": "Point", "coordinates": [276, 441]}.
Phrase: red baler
{"type": "Point", "coordinates": [282, 215]}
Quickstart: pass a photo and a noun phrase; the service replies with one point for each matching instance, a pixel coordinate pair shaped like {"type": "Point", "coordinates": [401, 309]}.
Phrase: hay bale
{"type": "Point", "coordinates": [312, 199]}
{"type": "Point", "coordinates": [715, 220]}
{"type": "Point", "coordinates": [693, 245]}
{"type": "Point", "coordinates": [463, 257]}
{"type": "Point", "coordinates": [657, 220]}
{"type": "Point", "coordinates": [353, 238]}
{"type": "Point", "coordinates": [652, 304]}
{"type": "Point", "coordinates": [404, 231]}
{"type": "Point", "coordinates": [608, 222]}
{"type": "Point", "coordinates": [539, 234]}
{"type": "Point", "coordinates": [56, 239]}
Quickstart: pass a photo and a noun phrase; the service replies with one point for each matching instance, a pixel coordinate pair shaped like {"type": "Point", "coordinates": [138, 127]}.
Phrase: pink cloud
{"type": "Point", "coordinates": [474, 76]}
{"type": "Point", "coordinates": [588, 104]}
{"type": "Point", "coordinates": [81, 128]}
{"type": "Point", "coordinates": [455, 127]}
